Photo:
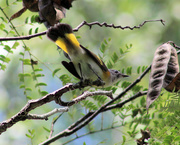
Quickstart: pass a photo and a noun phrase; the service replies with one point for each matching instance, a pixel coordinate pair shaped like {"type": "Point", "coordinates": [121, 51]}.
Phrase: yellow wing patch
{"type": "Point", "coordinates": [60, 42]}
{"type": "Point", "coordinates": [72, 38]}
{"type": "Point", "coordinates": [99, 60]}
{"type": "Point", "coordinates": [68, 42]}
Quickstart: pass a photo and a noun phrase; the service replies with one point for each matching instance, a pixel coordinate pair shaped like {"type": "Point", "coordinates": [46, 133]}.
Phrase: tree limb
{"type": "Point", "coordinates": [82, 122]}
{"type": "Point", "coordinates": [23, 114]}
{"type": "Point", "coordinates": [45, 116]}
{"type": "Point", "coordinates": [79, 26]}
{"type": "Point", "coordinates": [32, 104]}
{"type": "Point", "coordinates": [113, 26]}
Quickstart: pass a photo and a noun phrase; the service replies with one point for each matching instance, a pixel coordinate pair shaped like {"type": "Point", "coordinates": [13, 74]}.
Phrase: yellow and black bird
{"type": "Point", "coordinates": [83, 64]}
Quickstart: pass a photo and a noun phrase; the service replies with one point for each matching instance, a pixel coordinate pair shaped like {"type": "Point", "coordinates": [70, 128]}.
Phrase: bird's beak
{"type": "Point", "coordinates": [124, 76]}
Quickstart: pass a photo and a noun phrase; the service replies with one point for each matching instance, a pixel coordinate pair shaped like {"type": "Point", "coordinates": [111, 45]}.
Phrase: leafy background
{"type": "Point", "coordinates": [163, 118]}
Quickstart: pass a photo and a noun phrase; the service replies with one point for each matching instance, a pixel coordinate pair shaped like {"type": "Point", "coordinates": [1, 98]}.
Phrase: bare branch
{"type": "Point", "coordinates": [81, 25]}
{"type": "Point", "coordinates": [85, 120]}
{"type": "Point", "coordinates": [45, 116]}
{"type": "Point", "coordinates": [23, 37]}
{"type": "Point", "coordinates": [81, 120]}
{"type": "Point", "coordinates": [23, 114]}
{"type": "Point", "coordinates": [83, 97]}
{"type": "Point", "coordinates": [91, 132]}
{"type": "Point", "coordinates": [113, 26]}
{"type": "Point", "coordinates": [119, 105]}
{"type": "Point", "coordinates": [32, 104]}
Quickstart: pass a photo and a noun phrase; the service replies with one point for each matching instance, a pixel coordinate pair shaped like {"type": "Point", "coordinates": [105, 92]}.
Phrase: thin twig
{"type": "Point", "coordinates": [176, 46]}
{"type": "Point", "coordinates": [91, 132]}
{"type": "Point", "coordinates": [23, 37]}
{"type": "Point", "coordinates": [119, 105]}
{"type": "Point", "coordinates": [45, 116]}
{"type": "Point", "coordinates": [81, 25]}
{"type": "Point", "coordinates": [113, 26]}
{"type": "Point", "coordinates": [83, 97]}
{"type": "Point", "coordinates": [52, 125]}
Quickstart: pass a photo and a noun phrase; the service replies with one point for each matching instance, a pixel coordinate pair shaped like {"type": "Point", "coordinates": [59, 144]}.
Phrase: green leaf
{"type": "Point", "coordinates": [32, 131]}
{"type": "Point", "coordinates": [125, 84]}
{"type": "Point", "coordinates": [138, 69]}
{"type": "Point", "coordinates": [55, 71]}
{"type": "Point", "coordinates": [109, 64]}
{"type": "Point", "coordinates": [6, 59]}
{"type": "Point", "coordinates": [29, 98]}
{"type": "Point", "coordinates": [78, 37]}
{"type": "Point", "coordinates": [2, 26]}
{"type": "Point", "coordinates": [27, 48]}
{"type": "Point", "coordinates": [7, 48]}
{"type": "Point", "coordinates": [46, 129]}
{"type": "Point", "coordinates": [26, 20]}
{"type": "Point", "coordinates": [114, 57]}
{"type": "Point", "coordinates": [43, 93]}
{"type": "Point", "coordinates": [121, 50]}
{"type": "Point", "coordinates": [25, 61]}
{"type": "Point", "coordinates": [16, 44]}
{"type": "Point", "coordinates": [12, 32]}
{"type": "Point", "coordinates": [22, 86]}
{"type": "Point", "coordinates": [40, 84]}
{"type": "Point", "coordinates": [29, 136]}
{"type": "Point", "coordinates": [168, 139]}
{"type": "Point", "coordinates": [2, 18]}
{"type": "Point", "coordinates": [27, 74]}
{"type": "Point", "coordinates": [7, 3]}
{"type": "Point", "coordinates": [38, 69]}
{"type": "Point", "coordinates": [21, 53]}
{"type": "Point", "coordinates": [143, 68]}
{"type": "Point", "coordinates": [36, 30]}
{"type": "Point", "coordinates": [177, 138]}
{"type": "Point", "coordinates": [65, 78]}
{"type": "Point", "coordinates": [123, 70]}
{"type": "Point", "coordinates": [105, 41]}
{"type": "Point", "coordinates": [39, 75]}
{"type": "Point", "coordinates": [142, 101]}
{"type": "Point", "coordinates": [6, 31]}
{"type": "Point", "coordinates": [2, 57]}
{"type": "Point", "coordinates": [28, 89]}
{"type": "Point", "coordinates": [30, 31]}
{"type": "Point", "coordinates": [3, 67]}
{"type": "Point", "coordinates": [90, 105]}
{"type": "Point", "coordinates": [124, 140]}
{"type": "Point", "coordinates": [21, 77]}
{"type": "Point", "coordinates": [129, 70]}
{"type": "Point", "coordinates": [135, 112]}
{"type": "Point", "coordinates": [103, 47]}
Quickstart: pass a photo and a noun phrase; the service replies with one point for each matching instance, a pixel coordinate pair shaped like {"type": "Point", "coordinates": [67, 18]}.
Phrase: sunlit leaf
{"type": "Point", "coordinates": [16, 44]}
{"type": "Point", "coordinates": [55, 71]}
{"type": "Point", "coordinates": [40, 84]}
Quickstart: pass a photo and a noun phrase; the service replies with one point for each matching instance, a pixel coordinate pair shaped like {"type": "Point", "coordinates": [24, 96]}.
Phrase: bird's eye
{"type": "Point", "coordinates": [116, 71]}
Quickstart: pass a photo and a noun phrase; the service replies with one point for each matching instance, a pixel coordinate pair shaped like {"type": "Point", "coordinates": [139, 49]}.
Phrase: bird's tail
{"type": "Point", "coordinates": [62, 35]}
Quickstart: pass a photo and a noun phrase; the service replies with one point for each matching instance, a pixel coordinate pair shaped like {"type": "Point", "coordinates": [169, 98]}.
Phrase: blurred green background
{"type": "Point", "coordinates": [119, 12]}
